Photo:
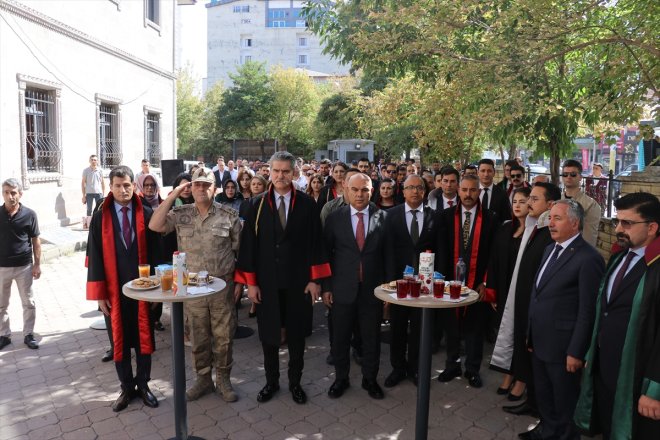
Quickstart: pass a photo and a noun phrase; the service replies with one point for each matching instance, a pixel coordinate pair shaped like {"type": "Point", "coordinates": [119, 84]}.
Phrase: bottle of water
{"type": "Point", "coordinates": [461, 269]}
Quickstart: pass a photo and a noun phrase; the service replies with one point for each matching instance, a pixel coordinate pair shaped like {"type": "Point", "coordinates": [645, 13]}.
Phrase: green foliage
{"type": "Point", "coordinates": [188, 108]}
{"type": "Point", "coordinates": [338, 117]}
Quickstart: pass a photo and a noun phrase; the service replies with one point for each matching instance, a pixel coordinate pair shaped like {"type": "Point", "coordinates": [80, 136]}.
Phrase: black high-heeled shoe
{"type": "Point", "coordinates": [252, 314]}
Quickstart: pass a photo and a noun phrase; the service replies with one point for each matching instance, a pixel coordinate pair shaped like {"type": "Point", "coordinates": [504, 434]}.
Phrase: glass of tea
{"type": "Point", "coordinates": [144, 270]}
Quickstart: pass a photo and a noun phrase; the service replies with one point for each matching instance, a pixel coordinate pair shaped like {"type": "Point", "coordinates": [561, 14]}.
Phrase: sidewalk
{"type": "Point", "coordinates": [64, 391]}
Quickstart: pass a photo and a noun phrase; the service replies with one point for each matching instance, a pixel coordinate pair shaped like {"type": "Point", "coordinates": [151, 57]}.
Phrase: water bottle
{"type": "Point", "coordinates": [461, 269]}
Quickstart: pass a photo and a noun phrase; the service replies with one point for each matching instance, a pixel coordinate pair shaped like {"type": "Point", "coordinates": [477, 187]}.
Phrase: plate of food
{"type": "Point", "coordinates": [144, 283]}
{"type": "Point", "coordinates": [193, 279]}
{"type": "Point", "coordinates": [389, 287]}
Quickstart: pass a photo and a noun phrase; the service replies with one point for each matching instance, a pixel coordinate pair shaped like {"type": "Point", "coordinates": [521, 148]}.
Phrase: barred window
{"type": "Point", "coordinates": [43, 152]}
{"type": "Point", "coordinates": [108, 126]}
{"type": "Point", "coordinates": [153, 139]}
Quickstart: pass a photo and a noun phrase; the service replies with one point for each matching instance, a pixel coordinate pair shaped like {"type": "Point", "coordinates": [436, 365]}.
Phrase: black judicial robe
{"type": "Point", "coordinates": [282, 260]}
{"type": "Point", "coordinates": [110, 265]}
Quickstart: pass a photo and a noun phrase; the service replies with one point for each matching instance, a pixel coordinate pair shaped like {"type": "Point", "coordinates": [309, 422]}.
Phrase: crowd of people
{"type": "Point", "coordinates": [577, 341]}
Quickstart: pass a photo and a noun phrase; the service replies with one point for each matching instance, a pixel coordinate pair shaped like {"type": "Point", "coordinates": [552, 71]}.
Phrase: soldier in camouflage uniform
{"type": "Point", "coordinates": [208, 233]}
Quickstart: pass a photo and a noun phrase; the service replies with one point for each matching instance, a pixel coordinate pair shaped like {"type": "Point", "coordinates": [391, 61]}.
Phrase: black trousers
{"type": "Point", "coordinates": [367, 314]}
{"type": "Point", "coordinates": [472, 325]}
{"type": "Point", "coordinates": [356, 340]}
{"type": "Point", "coordinates": [604, 400]}
{"type": "Point", "coordinates": [402, 340]}
{"type": "Point", "coordinates": [125, 369]}
{"type": "Point", "coordinates": [557, 393]}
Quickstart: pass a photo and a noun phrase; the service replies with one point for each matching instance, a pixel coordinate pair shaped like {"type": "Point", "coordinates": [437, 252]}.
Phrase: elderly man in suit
{"type": "Point", "coordinates": [354, 236]}
{"type": "Point", "coordinates": [622, 375]}
{"type": "Point", "coordinates": [561, 315]}
{"type": "Point", "coordinates": [411, 229]}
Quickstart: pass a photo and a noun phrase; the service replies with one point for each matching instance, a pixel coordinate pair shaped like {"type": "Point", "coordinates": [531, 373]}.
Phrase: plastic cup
{"type": "Point", "coordinates": [415, 288]}
{"type": "Point", "coordinates": [166, 279]}
{"type": "Point", "coordinates": [402, 289]}
{"type": "Point", "coordinates": [455, 290]}
{"type": "Point", "coordinates": [144, 270]}
{"type": "Point", "coordinates": [438, 288]}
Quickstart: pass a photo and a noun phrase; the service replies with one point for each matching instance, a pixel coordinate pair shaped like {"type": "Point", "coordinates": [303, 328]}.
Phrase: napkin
{"type": "Point", "coordinates": [198, 290]}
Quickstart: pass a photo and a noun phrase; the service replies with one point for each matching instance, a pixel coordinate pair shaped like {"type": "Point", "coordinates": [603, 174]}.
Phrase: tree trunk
{"type": "Point", "coordinates": [554, 161]}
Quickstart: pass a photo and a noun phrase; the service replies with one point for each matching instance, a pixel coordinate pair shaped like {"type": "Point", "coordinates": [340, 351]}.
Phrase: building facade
{"type": "Point", "coordinates": [270, 31]}
{"type": "Point", "coordinates": [79, 78]}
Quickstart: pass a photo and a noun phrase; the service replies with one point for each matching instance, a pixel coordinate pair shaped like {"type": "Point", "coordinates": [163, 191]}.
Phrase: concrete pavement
{"type": "Point", "coordinates": [64, 391]}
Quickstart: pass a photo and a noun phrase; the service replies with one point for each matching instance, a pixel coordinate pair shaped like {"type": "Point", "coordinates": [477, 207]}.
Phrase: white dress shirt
{"type": "Point", "coordinates": [365, 220]}
{"type": "Point", "coordinates": [120, 217]}
{"type": "Point", "coordinates": [473, 213]}
{"type": "Point", "coordinates": [563, 245]}
{"type": "Point", "coordinates": [420, 217]}
{"type": "Point", "coordinates": [639, 253]}
{"type": "Point", "coordinates": [445, 201]}
{"type": "Point", "coordinates": [287, 202]}
{"type": "Point", "coordinates": [490, 193]}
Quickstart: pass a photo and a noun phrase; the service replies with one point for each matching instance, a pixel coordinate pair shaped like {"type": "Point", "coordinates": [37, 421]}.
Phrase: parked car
{"type": "Point", "coordinates": [627, 171]}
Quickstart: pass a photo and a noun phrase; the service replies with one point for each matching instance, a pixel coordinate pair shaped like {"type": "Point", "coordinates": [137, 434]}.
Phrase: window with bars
{"type": "Point", "coordinates": [109, 149]}
{"type": "Point", "coordinates": [42, 149]}
{"type": "Point", "coordinates": [153, 139]}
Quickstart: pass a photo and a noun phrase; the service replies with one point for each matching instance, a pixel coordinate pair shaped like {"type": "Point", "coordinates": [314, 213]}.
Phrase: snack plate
{"type": "Point", "coordinates": [155, 280]}
{"type": "Point", "coordinates": [194, 282]}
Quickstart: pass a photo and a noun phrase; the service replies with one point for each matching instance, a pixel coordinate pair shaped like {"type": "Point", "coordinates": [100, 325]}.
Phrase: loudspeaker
{"type": "Point", "coordinates": [171, 168]}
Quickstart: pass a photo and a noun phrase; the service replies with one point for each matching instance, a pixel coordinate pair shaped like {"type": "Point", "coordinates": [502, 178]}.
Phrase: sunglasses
{"type": "Point", "coordinates": [626, 224]}
{"type": "Point", "coordinates": [516, 176]}
{"type": "Point", "coordinates": [572, 174]}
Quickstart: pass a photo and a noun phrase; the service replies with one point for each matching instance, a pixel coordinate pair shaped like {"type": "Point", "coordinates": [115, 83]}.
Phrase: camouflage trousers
{"type": "Point", "coordinates": [212, 326]}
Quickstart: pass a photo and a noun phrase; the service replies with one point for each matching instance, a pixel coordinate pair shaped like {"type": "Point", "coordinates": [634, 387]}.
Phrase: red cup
{"type": "Point", "coordinates": [438, 288]}
{"type": "Point", "coordinates": [455, 290]}
{"type": "Point", "coordinates": [402, 289]}
{"type": "Point", "coordinates": [415, 288]}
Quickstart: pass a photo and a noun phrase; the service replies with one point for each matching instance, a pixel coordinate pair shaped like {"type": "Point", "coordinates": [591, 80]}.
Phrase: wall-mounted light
{"type": "Point", "coordinates": [358, 146]}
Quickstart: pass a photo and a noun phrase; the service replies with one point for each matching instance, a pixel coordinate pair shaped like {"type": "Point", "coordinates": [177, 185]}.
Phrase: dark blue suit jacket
{"type": "Point", "coordinates": [563, 306]}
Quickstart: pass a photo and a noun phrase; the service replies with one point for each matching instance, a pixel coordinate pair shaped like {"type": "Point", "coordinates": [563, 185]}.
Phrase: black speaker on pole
{"type": "Point", "coordinates": [171, 168]}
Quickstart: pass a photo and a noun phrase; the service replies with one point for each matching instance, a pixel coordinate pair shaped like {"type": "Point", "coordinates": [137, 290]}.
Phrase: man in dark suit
{"type": "Point", "coordinates": [118, 241]}
{"type": "Point", "coordinates": [492, 197]}
{"type": "Point", "coordinates": [411, 229]}
{"type": "Point", "coordinates": [281, 259]}
{"type": "Point", "coordinates": [561, 315]}
{"type": "Point", "coordinates": [354, 236]}
{"type": "Point", "coordinates": [221, 174]}
{"type": "Point", "coordinates": [466, 231]}
{"type": "Point", "coordinates": [615, 359]}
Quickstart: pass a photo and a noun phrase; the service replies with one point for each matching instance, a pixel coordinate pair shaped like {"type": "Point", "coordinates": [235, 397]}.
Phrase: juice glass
{"type": "Point", "coordinates": [144, 270]}
{"type": "Point", "coordinates": [402, 289]}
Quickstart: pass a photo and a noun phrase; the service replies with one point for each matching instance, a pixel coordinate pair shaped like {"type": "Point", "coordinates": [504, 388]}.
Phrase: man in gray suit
{"type": "Point", "coordinates": [354, 236]}
{"type": "Point", "coordinates": [561, 316]}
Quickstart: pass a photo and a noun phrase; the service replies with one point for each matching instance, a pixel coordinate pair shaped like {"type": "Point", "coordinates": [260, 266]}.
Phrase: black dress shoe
{"type": "Point", "coordinates": [108, 356]}
{"type": "Point", "coordinates": [338, 387]}
{"type": "Point", "coordinates": [31, 342]}
{"type": "Point", "coordinates": [147, 397]}
{"type": "Point", "coordinates": [502, 391]}
{"type": "Point", "coordinates": [267, 392]}
{"type": "Point", "coordinates": [372, 387]}
{"type": "Point", "coordinates": [474, 379]}
{"type": "Point", "coordinates": [159, 326]}
{"type": "Point", "coordinates": [298, 394]}
{"type": "Point", "coordinates": [394, 378]}
{"type": "Point", "coordinates": [449, 373]}
{"type": "Point", "coordinates": [4, 341]}
{"type": "Point", "coordinates": [123, 400]}
{"type": "Point", "coordinates": [523, 409]}
{"type": "Point", "coordinates": [532, 434]}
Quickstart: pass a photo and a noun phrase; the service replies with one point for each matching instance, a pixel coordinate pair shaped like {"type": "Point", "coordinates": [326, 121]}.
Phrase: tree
{"type": "Point", "coordinates": [338, 116]}
{"type": "Point", "coordinates": [543, 66]}
{"type": "Point", "coordinates": [188, 109]}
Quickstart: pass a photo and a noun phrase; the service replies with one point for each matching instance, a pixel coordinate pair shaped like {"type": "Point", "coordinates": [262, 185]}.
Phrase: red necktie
{"type": "Point", "coordinates": [359, 237]}
{"type": "Point", "coordinates": [126, 227]}
{"type": "Point", "coordinates": [450, 203]}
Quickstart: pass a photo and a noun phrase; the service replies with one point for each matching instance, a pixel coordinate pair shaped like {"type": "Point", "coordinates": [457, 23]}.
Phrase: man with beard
{"type": "Point", "coordinates": [622, 377]}
{"type": "Point", "coordinates": [282, 262]}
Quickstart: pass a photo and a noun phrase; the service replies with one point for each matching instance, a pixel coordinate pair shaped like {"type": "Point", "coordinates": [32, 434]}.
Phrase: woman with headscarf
{"type": "Point", "coordinates": [230, 196]}
{"type": "Point", "coordinates": [185, 197]}
{"type": "Point", "coordinates": [149, 190]}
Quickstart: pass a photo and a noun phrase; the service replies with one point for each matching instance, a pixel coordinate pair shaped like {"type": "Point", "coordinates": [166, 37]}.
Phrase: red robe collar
{"type": "Point", "coordinates": [474, 250]}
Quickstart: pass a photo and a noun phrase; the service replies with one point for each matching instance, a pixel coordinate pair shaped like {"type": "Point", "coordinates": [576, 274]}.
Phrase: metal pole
{"type": "Point", "coordinates": [179, 373]}
{"type": "Point", "coordinates": [610, 182]}
{"type": "Point", "coordinates": [424, 379]}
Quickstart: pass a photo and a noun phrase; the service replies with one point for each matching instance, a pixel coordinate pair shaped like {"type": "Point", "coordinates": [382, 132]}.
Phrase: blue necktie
{"type": "Point", "coordinates": [551, 262]}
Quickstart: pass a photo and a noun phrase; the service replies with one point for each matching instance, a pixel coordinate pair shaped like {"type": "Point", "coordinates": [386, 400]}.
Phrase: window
{"type": "Point", "coordinates": [239, 9]}
{"type": "Point", "coordinates": [246, 42]}
{"type": "Point", "coordinates": [43, 152]}
{"type": "Point", "coordinates": [108, 127]}
{"type": "Point", "coordinates": [302, 59]}
{"type": "Point", "coordinates": [153, 153]}
{"type": "Point", "coordinates": [277, 13]}
{"type": "Point", "coordinates": [152, 11]}
{"type": "Point", "coordinates": [246, 59]}
{"type": "Point", "coordinates": [302, 41]}
{"type": "Point", "coordinates": [278, 23]}
{"type": "Point", "coordinates": [301, 23]}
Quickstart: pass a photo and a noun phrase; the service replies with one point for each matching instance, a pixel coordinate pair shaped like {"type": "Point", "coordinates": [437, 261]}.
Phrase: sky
{"type": "Point", "coordinates": [193, 37]}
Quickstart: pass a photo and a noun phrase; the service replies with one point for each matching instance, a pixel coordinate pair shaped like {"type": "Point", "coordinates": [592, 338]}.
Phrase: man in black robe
{"type": "Point", "coordinates": [118, 241]}
{"type": "Point", "coordinates": [281, 260]}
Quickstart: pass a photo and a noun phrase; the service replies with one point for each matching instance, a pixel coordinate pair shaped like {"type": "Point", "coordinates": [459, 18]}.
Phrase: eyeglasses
{"type": "Point", "coordinates": [572, 174]}
{"type": "Point", "coordinates": [516, 176]}
{"type": "Point", "coordinates": [414, 188]}
{"type": "Point", "coordinates": [626, 224]}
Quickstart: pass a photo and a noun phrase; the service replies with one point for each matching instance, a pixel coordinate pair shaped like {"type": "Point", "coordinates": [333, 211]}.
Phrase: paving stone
{"type": "Point", "coordinates": [79, 434]}
{"type": "Point", "coordinates": [45, 433]}
{"type": "Point", "coordinates": [14, 430]}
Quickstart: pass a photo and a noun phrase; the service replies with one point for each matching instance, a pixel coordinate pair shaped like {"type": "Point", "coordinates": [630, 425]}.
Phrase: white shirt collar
{"type": "Point", "coordinates": [287, 196]}
{"type": "Point", "coordinates": [420, 208]}
{"type": "Point", "coordinates": [568, 242]}
{"type": "Point", "coordinates": [354, 211]}
{"type": "Point", "coordinates": [490, 188]}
